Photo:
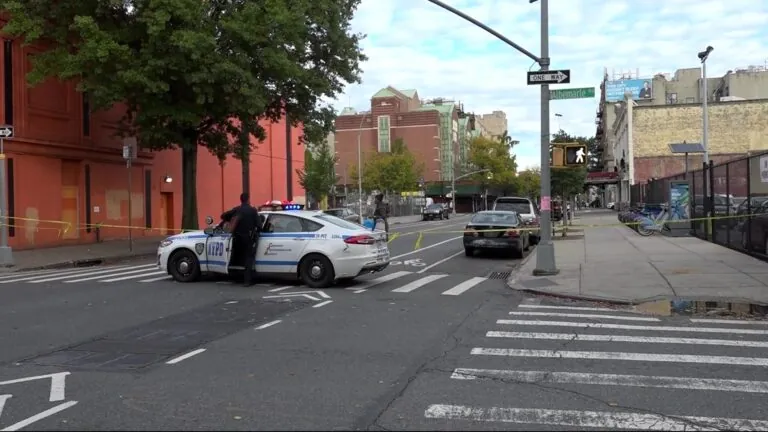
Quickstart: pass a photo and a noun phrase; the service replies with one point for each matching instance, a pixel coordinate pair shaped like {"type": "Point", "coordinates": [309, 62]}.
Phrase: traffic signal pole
{"type": "Point", "coordinates": [545, 251]}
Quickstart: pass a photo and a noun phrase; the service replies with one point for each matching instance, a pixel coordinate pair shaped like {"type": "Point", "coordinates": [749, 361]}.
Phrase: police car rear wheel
{"type": "Point", "coordinates": [184, 266]}
{"type": "Point", "coordinates": [316, 271]}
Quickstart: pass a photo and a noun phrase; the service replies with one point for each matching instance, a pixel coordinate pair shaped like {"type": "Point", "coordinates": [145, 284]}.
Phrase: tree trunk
{"type": "Point", "coordinates": [189, 218]}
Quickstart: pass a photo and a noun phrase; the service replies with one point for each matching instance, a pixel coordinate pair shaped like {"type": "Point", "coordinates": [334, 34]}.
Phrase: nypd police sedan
{"type": "Point", "coordinates": [318, 248]}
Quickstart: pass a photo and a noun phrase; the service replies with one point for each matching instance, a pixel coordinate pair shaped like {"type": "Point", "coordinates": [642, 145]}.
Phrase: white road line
{"type": "Point", "coordinates": [164, 277]}
{"type": "Point", "coordinates": [633, 327]}
{"type": "Point", "coordinates": [322, 304]}
{"type": "Point", "coordinates": [74, 273]}
{"type": "Point", "coordinates": [727, 321]}
{"type": "Point", "coordinates": [379, 280]}
{"type": "Point", "coordinates": [611, 420]}
{"type": "Point", "coordinates": [154, 273]}
{"type": "Point", "coordinates": [3, 398]}
{"type": "Point", "coordinates": [588, 316]}
{"type": "Point", "coordinates": [424, 270]}
{"type": "Point", "coordinates": [103, 272]}
{"type": "Point", "coordinates": [424, 248]}
{"type": "Point", "coordinates": [103, 276]}
{"type": "Point", "coordinates": [616, 338]}
{"type": "Point", "coordinates": [594, 309]}
{"type": "Point", "coordinates": [269, 324]}
{"type": "Point", "coordinates": [185, 356]}
{"type": "Point", "coordinates": [418, 283]}
{"type": "Point", "coordinates": [465, 286]}
{"type": "Point", "coordinates": [626, 356]}
{"type": "Point", "coordinates": [283, 288]}
{"type": "Point", "coordinates": [667, 382]}
{"type": "Point", "coordinates": [39, 416]}
{"type": "Point", "coordinates": [360, 291]}
{"type": "Point", "coordinates": [12, 275]}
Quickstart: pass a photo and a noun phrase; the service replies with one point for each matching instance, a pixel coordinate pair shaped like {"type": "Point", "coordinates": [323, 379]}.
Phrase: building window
{"type": "Point", "coordinates": [384, 137]}
{"type": "Point", "coordinates": [672, 98]}
{"type": "Point", "coordinates": [8, 80]}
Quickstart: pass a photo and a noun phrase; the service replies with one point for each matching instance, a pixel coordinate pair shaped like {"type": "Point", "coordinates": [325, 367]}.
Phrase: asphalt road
{"type": "Point", "coordinates": [106, 351]}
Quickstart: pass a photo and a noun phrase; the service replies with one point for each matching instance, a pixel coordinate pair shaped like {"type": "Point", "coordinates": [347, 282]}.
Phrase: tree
{"type": "Point", "coordinates": [318, 176]}
{"type": "Point", "coordinates": [529, 183]}
{"type": "Point", "coordinates": [494, 156]}
{"type": "Point", "coordinates": [396, 171]}
{"type": "Point", "coordinates": [185, 68]}
{"type": "Point", "coordinates": [568, 181]}
{"type": "Point", "coordinates": [594, 155]}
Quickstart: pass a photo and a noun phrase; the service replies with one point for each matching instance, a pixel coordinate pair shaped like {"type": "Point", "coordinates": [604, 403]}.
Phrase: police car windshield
{"type": "Point", "coordinates": [338, 222]}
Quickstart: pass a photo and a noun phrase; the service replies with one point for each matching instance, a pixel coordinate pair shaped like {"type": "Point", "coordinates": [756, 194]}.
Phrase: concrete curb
{"type": "Point", "coordinates": [88, 262]}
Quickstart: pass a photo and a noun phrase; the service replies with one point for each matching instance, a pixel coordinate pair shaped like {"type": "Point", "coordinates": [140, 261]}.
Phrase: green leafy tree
{"type": "Point", "coordinates": [318, 176]}
{"type": "Point", "coordinates": [396, 171]}
{"type": "Point", "coordinates": [495, 156]}
{"type": "Point", "coordinates": [594, 155]}
{"type": "Point", "coordinates": [568, 181]}
{"type": "Point", "coordinates": [529, 183]}
{"type": "Point", "coordinates": [186, 68]}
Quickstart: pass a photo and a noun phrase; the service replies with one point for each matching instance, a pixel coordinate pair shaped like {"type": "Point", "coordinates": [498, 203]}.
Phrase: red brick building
{"type": "Point", "coordinates": [65, 168]}
{"type": "Point", "coordinates": [432, 131]}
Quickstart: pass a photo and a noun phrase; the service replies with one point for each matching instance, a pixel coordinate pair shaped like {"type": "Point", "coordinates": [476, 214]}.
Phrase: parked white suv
{"type": "Point", "coordinates": [526, 208]}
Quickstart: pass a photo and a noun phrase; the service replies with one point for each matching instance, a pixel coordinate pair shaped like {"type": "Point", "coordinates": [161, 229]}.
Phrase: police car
{"type": "Point", "coordinates": [318, 248]}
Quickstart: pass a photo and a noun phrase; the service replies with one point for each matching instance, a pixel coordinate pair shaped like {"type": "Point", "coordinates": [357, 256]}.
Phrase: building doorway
{"type": "Point", "coordinates": [70, 198]}
{"type": "Point", "coordinates": [166, 212]}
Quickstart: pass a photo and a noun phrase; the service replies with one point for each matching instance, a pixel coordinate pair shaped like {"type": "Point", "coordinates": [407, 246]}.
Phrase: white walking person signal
{"type": "Point", "coordinates": [580, 155]}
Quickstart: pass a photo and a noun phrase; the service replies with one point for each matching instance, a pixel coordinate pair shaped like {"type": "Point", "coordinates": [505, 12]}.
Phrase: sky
{"type": "Point", "coordinates": [416, 44]}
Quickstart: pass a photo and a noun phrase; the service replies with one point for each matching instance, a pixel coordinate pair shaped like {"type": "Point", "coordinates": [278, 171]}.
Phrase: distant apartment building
{"type": "Point", "coordinates": [494, 124]}
{"type": "Point", "coordinates": [638, 118]}
{"type": "Point", "coordinates": [435, 131]}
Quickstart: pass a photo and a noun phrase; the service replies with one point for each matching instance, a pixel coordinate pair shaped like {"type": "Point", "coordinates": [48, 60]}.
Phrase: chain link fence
{"type": "Point", "coordinates": [398, 205]}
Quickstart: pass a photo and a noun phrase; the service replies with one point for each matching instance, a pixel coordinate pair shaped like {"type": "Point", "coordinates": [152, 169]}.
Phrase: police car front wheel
{"type": "Point", "coordinates": [316, 271]}
{"type": "Point", "coordinates": [184, 266]}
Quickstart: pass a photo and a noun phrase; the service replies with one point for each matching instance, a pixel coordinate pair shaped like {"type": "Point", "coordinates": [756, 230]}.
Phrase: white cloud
{"type": "Point", "coordinates": [415, 44]}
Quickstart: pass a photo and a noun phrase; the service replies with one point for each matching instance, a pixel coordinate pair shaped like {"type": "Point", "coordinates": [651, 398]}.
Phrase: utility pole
{"type": "Point", "coordinates": [545, 251]}
{"type": "Point", "coordinates": [6, 253]}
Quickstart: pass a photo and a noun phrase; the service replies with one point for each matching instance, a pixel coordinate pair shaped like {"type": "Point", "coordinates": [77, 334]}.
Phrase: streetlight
{"type": "Point", "coordinates": [559, 116]}
{"type": "Point", "coordinates": [703, 56]}
{"type": "Point", "coordinates": [453, 184]}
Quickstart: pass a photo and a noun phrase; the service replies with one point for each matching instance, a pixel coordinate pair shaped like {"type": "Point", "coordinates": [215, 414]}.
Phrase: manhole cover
{"type": "Point", "coordinates": [141, 346]}
{"type": "Point", "coordinates": [499, 275]}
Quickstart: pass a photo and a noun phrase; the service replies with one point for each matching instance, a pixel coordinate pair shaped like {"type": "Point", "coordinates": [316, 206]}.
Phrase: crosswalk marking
{"type": "Point", "coordinates": [464, 286]}
{"type": "Point", "coordinates": [379, 280]}
{"type": "Point", "coordinates": [727, 321]}
{"type": "Point", "coordinates": [626, 356]}
{"type": "Point", "coordinates": [133, 276]}
{"type": "Point", "coordinates": [25, 277]}
{"type": "Point", "coordinates": [112, 273]}
{"type": "Point", "coordinates": [591, 419]}
{"type": "Point", "coordinates": [633, 327]}
{"type": "Point", "coordinates": [579, 308]}
{"type": "Point", "coordinates": [100, 273]}
{"type": "Point", "coordinates": [14, 275]}
{"type": "Point", "coordinates": [166, 276]}
{"type": "Point", "coordinates": [588, 316]}
{"type": "Point", "coordinates": [669, 382]}
{"type": "Point", "coordinates": [418, 283]}
{"type": "Point", "coordinates": [620, 338]}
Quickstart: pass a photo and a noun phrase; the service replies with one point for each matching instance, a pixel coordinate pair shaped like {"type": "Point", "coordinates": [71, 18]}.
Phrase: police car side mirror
{"type": "Point", "coordinates": [208, 220]}
{"type": "Point", "coordinates": [208, 230]}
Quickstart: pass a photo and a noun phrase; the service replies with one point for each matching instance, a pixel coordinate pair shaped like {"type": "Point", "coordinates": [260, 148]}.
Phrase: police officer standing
{"type": "Point", "coordinates": [245, 232]}
{"type": "Point", "coordinates": [381, 211]}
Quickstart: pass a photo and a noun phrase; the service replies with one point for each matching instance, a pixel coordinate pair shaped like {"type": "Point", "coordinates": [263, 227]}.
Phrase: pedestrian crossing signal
{"type": "Point", "coordinates": [575, 155]}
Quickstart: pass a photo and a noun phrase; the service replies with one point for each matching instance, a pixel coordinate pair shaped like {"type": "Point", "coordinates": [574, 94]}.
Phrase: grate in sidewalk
{"type": "Point", "coordinates": [499, 275]}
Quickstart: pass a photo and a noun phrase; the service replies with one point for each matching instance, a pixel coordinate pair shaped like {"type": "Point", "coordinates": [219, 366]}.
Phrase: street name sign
{"type": "Point", "coordinates": [6, 132]}
{"type": "Point", "coordinates": [574, 93]}
{"type": "Point", "coordinates": [549, 77]}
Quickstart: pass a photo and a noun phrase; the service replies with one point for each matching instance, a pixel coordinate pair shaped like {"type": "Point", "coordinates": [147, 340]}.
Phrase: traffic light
{"type": "Point", "coordinates": [575, 155]}
{"type": "Point", "coordinates": [556, 156]}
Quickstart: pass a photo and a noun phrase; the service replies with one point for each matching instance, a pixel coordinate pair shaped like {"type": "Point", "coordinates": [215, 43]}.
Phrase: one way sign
{"type": "Point", "coordinates": [6, 132]}
{"type": "Point", "coordinates": [549, 77]}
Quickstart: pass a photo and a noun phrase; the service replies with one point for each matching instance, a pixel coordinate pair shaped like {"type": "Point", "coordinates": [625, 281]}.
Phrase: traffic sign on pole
{"type": "Point", "coordinates": [549, 77]}
{"type": "Point", "coordinates": [574, 93]}
{"type": "Point", "coordinates": [575, 154]}
{"type": "Point", "coordinates": [6, 131]}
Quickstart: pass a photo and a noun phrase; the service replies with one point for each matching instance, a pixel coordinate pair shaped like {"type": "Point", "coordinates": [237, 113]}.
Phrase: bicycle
{"type": "Point", "coordinates": [648, 225]}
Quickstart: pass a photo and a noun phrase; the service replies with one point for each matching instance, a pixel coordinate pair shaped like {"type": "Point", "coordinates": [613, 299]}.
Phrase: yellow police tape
{"type": "Point", "coordinates": [64, 227]}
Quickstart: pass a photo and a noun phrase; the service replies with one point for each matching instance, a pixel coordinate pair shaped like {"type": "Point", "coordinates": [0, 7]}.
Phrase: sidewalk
{"type": "Point", "coordinates": [613, 263]}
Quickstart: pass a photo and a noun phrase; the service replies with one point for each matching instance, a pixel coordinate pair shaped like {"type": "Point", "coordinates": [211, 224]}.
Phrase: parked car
{"type": "Point", "coordinates": [754, 230]}
{"type": "Point", "coordinates": [344, 213]}
{"type": "Point", "coordinates": [498, 230]}
{"type": "Point", "coordinates": [435, 211]}
{"type": "Point", "coordinates": [528, 211]}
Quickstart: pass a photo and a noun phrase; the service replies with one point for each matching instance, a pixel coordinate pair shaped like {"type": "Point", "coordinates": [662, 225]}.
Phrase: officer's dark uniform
{"type": "Point", "coordinates": [245, 233]}
{"type": "Point", "coordinates": [381, 212]}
